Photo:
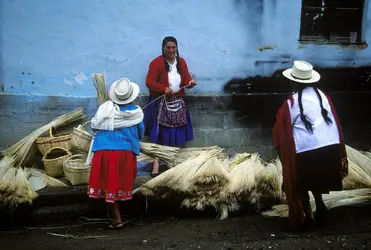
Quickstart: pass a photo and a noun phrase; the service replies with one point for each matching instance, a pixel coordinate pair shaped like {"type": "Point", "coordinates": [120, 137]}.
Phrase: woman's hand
{"type": "Point", "coordinates": [168, 91]}
{"type": "Point", "coordinates": [192, 83]}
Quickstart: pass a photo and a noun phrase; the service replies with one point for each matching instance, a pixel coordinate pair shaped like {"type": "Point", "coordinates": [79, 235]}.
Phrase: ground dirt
{"type": "Point", "coordinates": [346, 228]}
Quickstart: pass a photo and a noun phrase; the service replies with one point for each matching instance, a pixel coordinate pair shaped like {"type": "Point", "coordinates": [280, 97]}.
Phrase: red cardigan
{"type": "Point", "coordinates": [284, 143]}
{"type": "Point", "coordinates": [158, 78]}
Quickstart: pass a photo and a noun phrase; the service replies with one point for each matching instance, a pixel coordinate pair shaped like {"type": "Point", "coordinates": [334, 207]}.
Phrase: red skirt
{"type": "Point", "coordinates": [112, 175]}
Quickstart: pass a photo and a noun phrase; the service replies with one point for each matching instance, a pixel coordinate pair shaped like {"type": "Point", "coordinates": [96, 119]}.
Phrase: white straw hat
{"type": "Point", "coordinates": [123, 91]}
{"type": "Point", "coordinates": [302, 72]}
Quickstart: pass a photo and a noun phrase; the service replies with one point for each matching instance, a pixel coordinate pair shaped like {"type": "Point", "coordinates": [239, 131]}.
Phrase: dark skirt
{"type": "Point", "coordinates": [159, 134]}
{"type": "Point", "coordinates": [319, 170]}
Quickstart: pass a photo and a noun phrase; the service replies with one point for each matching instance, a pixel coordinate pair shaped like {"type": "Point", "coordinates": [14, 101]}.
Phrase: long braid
{"type": "Point", "coordinates": [167, 67]}
{"type": "Point", "coordinates": [308, 124]}
{"type": "Point", "coordinates": [177, 59]}
{"type": "Point", "coordinates": [323, 110]}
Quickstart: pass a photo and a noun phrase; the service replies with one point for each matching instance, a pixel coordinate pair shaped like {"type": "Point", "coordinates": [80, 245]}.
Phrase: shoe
{"type": "Point", "coordinates": [117, 226]}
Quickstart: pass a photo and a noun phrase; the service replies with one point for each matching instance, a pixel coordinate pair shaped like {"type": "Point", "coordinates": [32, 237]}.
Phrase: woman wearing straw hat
{"type": "Point", "coordinates": [167, 118]}
{"type": "Point", "coordinates": [310, 143]}
{"type": "Point", "coordinates": [119, 127]}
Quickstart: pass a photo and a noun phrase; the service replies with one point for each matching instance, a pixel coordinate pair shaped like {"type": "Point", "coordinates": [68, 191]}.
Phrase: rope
{"type": "Point", "coordinates": [160, 97]}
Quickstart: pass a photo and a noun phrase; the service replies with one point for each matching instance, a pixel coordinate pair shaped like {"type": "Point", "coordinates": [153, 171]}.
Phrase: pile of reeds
{"type": "Point", "coordinates": [14, 186]}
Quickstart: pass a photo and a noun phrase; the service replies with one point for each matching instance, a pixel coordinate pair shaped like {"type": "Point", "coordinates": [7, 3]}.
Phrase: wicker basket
{"type": "Point", "coordinates": [75, 169]}
{"type": "Point", "coordinates": [60, 140]}
{"type": "Point", "coordinates": [53, 161]}
{"type": "Point", "coordinates": [80, 139]}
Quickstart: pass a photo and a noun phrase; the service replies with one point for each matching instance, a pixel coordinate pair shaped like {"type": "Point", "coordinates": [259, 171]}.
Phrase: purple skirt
{"type": "Point", "coordinates": [164, 135]}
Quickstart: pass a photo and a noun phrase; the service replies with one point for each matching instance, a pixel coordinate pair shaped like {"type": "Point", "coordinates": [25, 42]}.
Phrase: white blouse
{"type": "Point", "coordinates": [323, 134]}
{"type": "Point", "coordinates": [174, 77]}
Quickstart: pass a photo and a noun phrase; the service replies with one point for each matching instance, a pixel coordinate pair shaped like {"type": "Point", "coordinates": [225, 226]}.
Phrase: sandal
{"type": "Point", "coordinates": [117, 226]}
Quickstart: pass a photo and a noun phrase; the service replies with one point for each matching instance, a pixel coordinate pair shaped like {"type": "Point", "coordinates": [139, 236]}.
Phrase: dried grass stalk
{"type": "Point", "coordinates": [99, 81]}
{"type": "Point", "coordinates": [359, 159]}
{"type": "Point", "coordinates": [165, 154]}
{"type": "Point", "coordinates": [358, 197]}
{"type": "Point", "coordinates": [206, 189]}
{"type": "Point", "coordinates": [50, 181]}
{"type": "Point", "coordinates": [356, 178]}
{"type": "Point", "coordinates": [176, 179]}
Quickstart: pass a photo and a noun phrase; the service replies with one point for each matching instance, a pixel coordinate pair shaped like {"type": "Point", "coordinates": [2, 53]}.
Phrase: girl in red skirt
{"type": "Point", "coordinates": [119, 128]}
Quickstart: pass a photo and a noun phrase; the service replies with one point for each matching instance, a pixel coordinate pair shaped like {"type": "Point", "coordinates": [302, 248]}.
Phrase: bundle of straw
{"type": "Point", "coordinates": [358, 197]}
{"type": "Point", "coordinates": [165, 154]}
{"type": "Point", "coordinates": [268, 182]}
{"type": "Point", "coordinates": [205, 189]}
{"type": "Point", "coordinates": [188, 153]}
{"type": "Point", "coordinates": [15, 189]}
{"type": "Point", "coordinates": [359, 159]}
{"type": "Point", "coordinates": [101, 87]}
{"type": "Point", "coordinates": [50, 181]}
{"type": "Point", "coordinates": [176, 179]}
{"type": "Point", "coordinates": [356, 178]}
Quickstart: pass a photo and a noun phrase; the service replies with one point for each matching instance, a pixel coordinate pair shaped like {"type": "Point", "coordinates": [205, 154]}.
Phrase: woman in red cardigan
{"type": "Point", "coordinates": [167, 119]}
{"type": "Point", "coordinates": [309, 140]}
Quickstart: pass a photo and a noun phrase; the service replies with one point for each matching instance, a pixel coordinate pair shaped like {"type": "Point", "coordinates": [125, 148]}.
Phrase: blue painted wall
{"type": "Point", "coordinates": [52, 47]}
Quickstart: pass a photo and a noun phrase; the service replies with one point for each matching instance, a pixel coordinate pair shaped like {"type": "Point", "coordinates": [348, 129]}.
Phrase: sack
{"type": "Point", "coordinates": [172, 112]}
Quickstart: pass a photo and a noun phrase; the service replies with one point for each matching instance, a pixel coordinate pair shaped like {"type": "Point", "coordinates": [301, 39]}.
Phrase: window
{"type": "Point", "coordinates": [332, 21]}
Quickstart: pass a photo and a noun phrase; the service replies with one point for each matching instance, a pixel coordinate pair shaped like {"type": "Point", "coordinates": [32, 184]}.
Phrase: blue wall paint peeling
{"type": "Point", "coordinates": [52, 47]}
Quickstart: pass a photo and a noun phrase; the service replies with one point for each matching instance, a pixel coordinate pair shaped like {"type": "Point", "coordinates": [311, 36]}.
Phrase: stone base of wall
{"type": "Point", "coordinates": [238, 123]}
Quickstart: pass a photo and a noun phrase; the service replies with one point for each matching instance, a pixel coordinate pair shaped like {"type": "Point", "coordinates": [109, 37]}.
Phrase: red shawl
{"type": "Point", "coordinates": [285, 145]}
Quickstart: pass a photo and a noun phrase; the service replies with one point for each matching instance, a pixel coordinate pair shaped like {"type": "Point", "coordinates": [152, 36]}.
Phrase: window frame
{"type": "Point", "coordinates": [326, 38]}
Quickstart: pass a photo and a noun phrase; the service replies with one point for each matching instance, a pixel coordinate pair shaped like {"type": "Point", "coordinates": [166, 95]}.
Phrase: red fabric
{"type": "Point", "coordinates": [112, 175]}
{"type": "Point", "coordinates": [158, 79]}
{"type": "Point", "coordinates": [285, 145]}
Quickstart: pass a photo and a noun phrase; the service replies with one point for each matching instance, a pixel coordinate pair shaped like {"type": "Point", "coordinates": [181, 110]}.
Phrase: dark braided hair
{"type": "Point", "coordinates": [323, 110]}
{"type": "Point", "coordinates": [164, 42]}
{"type": "Point", "coordinates": [307, 122]}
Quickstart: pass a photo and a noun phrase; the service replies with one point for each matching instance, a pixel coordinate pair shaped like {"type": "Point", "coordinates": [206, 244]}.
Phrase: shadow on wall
{"type": "Point", "coordinates": [258, 98]}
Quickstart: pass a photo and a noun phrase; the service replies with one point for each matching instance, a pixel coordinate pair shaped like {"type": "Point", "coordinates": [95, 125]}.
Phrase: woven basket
{"type": "Point", "coordinates": [75, 169]}
{"type": "Point", "coordinates": [53, 161]}
{"type": "Point", "coordinates": [53, 141]}
{"type": "Point", "coordinates": [80, 139]}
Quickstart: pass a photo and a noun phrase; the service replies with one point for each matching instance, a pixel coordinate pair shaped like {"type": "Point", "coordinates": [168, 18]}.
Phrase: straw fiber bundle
{"type": "Point", "coordinates": [269, 182]}
{"type": "Point", "coordinates": [237, 159]}
{"type": "Point", "coordinates": [50, 181]}
{"type": "Point", "coordinates": [101, 87]}
{"type": "Point", "coordinates": [357, 197]}
{"type": "Point", "coordinates": [15, 182]}
{"type": "Point", "coordinates": [165, 154]}
{"type": "Point", "coordinates": [188, 153]}
{"type": "Point", "coordinates": [175, 179]}
{"type": "Point", "coordinates": [5, 163]}
{"type": "Point", "coordinates": [206, 189]}
{"type": "Point", "coordinates": [243, 176]}
{"type": "Point", "coordinates": [367, 154]}
{"type": "Point", "coordinates": [356, 178]}
{"type": "Point", "coordinates": [359, 159]}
